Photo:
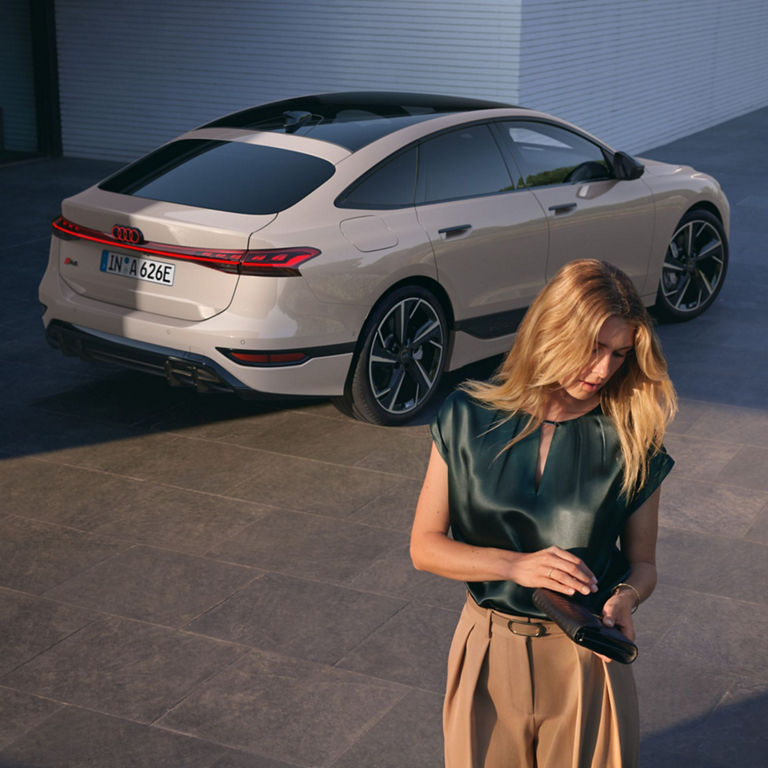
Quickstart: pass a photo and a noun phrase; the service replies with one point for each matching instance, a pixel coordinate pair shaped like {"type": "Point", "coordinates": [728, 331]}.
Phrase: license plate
{"type": "Point", "coordinates": [137, 267]}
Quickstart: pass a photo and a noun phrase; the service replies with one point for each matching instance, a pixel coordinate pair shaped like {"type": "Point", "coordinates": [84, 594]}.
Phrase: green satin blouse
{"type": "Point", "coordinates": [578, 506]}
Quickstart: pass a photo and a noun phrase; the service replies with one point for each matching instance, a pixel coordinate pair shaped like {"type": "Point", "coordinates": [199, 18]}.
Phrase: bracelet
{"type": "Point", "coordinates": [637, 594]}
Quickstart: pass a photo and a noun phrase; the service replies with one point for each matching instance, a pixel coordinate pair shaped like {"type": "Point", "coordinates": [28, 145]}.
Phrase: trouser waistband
{"type": "Point", "coordinates": [525, 626]}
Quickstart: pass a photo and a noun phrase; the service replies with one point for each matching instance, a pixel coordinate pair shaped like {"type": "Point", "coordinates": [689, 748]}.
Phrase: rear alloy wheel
{"type": "Point", "coordinates": [694, 266]}
{"type": "Point", "coordinates": [401, 358]}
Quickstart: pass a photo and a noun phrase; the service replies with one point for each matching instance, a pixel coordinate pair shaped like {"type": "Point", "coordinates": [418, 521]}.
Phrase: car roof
{"type": "Point", "coordinates": [351, 119]}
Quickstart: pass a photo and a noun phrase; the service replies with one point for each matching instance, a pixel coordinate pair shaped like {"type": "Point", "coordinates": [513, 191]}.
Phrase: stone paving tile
{"type": "Point", "coordinates": [655, 619]}
{"type": "Point", "coordinates": [20, 713]}
{"type": "Point", "coordinates": [717, 565]}
{"type": "Point", "coordinates": [75, 738]}
{"type": "Point", "coordinates": [55, 493]}
{"type": "Point", "coordinates": [308, 546]}
{"type": "Point", "coordinates": [246, 760]}
{"type": "Point", "coordinates": [394, 575]}
{"type": "Point", "coordinates": [699, 458]}
{"type": "Point", "coordinates": [31, 625]}
{"type": "Point", "coordinates": [403, 451]}
{"type": "Point", "coordinates": [154, 585]}
{"type": "Point", "coordinates": [392, 509]}
{"type": "Point", "coordinates": [411, 648]}
{"type": "Point", "coordinates": [166, 459]}
{"type": "Point", "coordinates": [30, 430]}
{"type": "Point", "coordinates": [690, 689]}
{"type": "Point", "coordinates": [124, 668]}
{"type": "Point", "coordinates": [730, 423]}
{"type": "Point", "coordinates": [174, 518]}
{"type": "Point", "coordinates": [721, 633]}
{"type": "Point", "coordinates": [703, 507]}
{"type": "Point", "coordinates": [747, 468]}
{"type": "Point", "coordinates": [36, 556]}
{"type": "Point", "coordinates": [312, 485]}
{"type": "Point", "coordinates": [759, 531]}
{"type": "Point", "coordinates": [121, 507]}
{"type": "Point", "coordinates": [124, 398]}
{"type": "Point", "coordinates": [410, 734]}
{"type": "Point", "coordinates": [308, 619]}
{"type": "Point", "coordinates": [285, 709]}
{"type": "Point", "coordinates": [706, 372]}
{"type": "Point", "coordinates": [733, 734]}
{"type": "Point", "coordinates": [301, 433]}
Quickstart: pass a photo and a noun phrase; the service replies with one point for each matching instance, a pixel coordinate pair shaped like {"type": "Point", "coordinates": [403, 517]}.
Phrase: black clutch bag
{"type": "Point", "coordinates": [583, 627]}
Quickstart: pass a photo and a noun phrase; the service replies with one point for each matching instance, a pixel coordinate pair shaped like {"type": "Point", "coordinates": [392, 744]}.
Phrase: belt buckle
{"type": "Point", "coordinates": [534, 629]}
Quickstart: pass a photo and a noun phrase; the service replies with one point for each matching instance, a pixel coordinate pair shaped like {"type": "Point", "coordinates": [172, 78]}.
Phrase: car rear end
{"type": "Point", "coordinates": [168, 267]}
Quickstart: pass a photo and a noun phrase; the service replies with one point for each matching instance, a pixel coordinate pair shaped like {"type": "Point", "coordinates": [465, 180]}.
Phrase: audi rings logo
{"type": "Point", "coordinates": [127, 234]}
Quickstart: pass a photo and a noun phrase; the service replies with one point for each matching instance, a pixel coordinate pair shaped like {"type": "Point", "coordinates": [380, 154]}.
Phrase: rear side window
{"type": "Point", "coordinates": [463, 163]}
{"type": "Point", "coordinates": [222, 175]}
{"type": "Point", "coordinates": [389, 185]}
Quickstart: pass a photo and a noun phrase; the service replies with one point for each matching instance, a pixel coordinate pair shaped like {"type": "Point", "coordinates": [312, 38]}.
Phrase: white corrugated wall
{"type": "Point", "coordinates": [135, 74]}
{"type": "Point", "coordinates": [640, 73]}
{"type": "Point", "coordinates": [636, 72]}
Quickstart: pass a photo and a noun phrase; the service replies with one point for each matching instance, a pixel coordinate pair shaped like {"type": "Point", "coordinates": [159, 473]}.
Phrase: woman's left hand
{"type": "Point", "coordinates": [617, 612]}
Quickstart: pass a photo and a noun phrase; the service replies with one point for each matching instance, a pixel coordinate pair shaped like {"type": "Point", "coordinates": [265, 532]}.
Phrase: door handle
{"type": "Point", "coordinates": [460, 229]}
{"type": "Point", "coordinates": [562, 208]}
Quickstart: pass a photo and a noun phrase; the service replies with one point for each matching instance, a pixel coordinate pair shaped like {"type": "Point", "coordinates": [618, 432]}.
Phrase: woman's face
{"type": "Point", "coordinates": [615, 340]}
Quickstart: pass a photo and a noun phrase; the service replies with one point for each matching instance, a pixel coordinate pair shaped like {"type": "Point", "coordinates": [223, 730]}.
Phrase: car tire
{"type": "Point", "coordinates": [694, 266]}
{"type": "Point", "coordinates": [400, 358]}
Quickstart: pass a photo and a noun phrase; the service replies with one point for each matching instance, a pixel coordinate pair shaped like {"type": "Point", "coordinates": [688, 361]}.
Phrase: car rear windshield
{"type": "Point", "coordinates": [222, 175]}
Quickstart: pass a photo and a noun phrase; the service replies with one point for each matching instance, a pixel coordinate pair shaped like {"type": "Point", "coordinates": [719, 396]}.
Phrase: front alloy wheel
{"type": "Point", "coordinates": [401, 358]}
{"type": "Point", "coordinates": [694, 266]}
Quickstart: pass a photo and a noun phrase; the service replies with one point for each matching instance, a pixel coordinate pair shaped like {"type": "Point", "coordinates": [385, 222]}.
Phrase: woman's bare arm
{"type": "Point", "coordinates": [638, 543]}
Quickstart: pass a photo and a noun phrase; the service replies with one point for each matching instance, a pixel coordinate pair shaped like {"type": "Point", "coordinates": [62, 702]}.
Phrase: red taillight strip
{"type": "Point", "coordinates": [271, 261]}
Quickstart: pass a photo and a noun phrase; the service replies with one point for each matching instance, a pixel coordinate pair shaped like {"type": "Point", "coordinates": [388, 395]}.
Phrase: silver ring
{"type": "Point", "coordinates": [549, 575]}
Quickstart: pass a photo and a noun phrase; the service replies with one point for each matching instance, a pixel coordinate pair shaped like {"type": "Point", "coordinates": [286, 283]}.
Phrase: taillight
{"type": "Point", "coordinates": [273, 262]}
{"type": "Point", "coordinates": [264, 358]}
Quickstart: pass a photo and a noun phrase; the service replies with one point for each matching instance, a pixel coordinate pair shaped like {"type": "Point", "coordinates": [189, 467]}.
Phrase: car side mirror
{"type": "Point", "coordinates": [626, 168]}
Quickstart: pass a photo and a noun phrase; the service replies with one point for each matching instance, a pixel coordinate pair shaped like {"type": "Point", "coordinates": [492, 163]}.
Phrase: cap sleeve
{"type": "Point", "coordinates": [659, 466]}
{"type": "Point", "coordinates": [443, 426]}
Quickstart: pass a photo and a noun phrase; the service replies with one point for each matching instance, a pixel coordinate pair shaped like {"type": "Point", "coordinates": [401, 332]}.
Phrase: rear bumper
{"type": "Point", "coordinates": [177, 367]}
{"type": "Point", "coordinates": [321, 376]}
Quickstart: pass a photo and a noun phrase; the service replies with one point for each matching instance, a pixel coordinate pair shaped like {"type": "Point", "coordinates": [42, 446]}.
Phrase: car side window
{"type": "Point", "coordinates": [389, 185]}
{"type": "Point", "coordinates": [463, 163]}
{"type": "Point", "coordinates": [547, 154]}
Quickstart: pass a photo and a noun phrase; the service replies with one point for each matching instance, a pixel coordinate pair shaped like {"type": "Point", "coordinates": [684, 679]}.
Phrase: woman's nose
{"type": "Point", "coordinates": [602, 366]}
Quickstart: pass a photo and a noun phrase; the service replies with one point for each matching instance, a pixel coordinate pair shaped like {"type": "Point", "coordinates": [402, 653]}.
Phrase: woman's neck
{"type": "Point", "coordinates": [563, 407]}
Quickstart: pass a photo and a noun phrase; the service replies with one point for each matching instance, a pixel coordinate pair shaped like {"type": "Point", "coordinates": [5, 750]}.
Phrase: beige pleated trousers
{"type": "Point", "coordinates": [518, 701]}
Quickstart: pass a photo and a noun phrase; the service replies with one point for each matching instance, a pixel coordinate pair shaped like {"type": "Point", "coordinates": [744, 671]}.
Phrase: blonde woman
{"type": "Point", "coordinates": [538, 475]}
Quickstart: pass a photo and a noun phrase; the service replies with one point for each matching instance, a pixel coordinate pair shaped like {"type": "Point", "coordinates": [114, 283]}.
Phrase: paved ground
{"type": "Point", "coordinates": [189, 581]}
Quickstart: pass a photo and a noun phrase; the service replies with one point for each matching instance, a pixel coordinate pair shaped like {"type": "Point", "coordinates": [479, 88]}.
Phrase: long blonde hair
{"type": "Point", "coordinates": [556, 341]}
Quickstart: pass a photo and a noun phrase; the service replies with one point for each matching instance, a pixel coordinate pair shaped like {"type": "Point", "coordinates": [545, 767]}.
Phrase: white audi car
{"type": "Point", "coordinates": [358, 245]}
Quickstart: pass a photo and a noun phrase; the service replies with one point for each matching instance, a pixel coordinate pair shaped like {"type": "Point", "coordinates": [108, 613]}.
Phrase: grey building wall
{"type": "Point", "coordinates": [635, 72]}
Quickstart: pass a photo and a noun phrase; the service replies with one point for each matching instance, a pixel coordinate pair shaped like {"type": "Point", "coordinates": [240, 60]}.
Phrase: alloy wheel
{"type": "Point", "coordinates": [406, 355]}
{"type": "Point", "coordinates": [694, 267]}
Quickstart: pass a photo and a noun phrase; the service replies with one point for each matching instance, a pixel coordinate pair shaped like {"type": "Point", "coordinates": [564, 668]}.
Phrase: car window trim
{"type": "Point", "coordinates": [507, 148]}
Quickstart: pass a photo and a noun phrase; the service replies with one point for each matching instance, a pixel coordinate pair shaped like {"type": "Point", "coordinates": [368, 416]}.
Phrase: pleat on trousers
{"type": "Point", "coordinates": [515, 701]}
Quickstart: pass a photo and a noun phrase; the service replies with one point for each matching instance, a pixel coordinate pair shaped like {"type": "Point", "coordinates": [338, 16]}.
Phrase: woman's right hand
{"type": "Point", "coordinates": [553, 568]}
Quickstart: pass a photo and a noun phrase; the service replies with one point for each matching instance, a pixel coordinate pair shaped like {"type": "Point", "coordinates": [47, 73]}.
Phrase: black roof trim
{"type": "Point", "coordinates": [330, 116]}
{"type": "Point", "coordinates": [379, 103]}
